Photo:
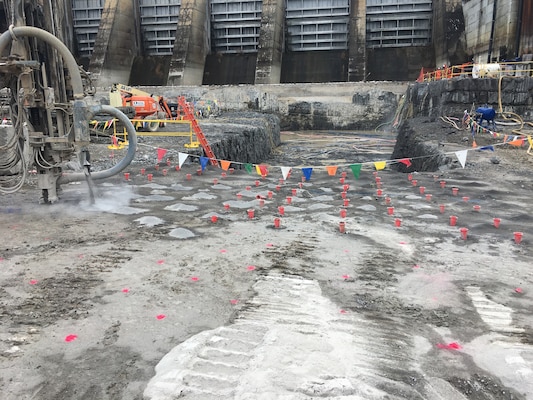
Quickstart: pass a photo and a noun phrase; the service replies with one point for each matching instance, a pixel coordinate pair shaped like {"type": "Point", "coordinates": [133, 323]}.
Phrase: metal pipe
{"type": "Point", "coordinates": [493, 27]}
{"type": "Point", "coordinates": [519, 28]}
{"type": "Point", "coordinates": [70, 62]}
{"type": "Point", "coordinates": [132, 147]}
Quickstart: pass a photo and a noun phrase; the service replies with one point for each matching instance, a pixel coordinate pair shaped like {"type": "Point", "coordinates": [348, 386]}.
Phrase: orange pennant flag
{"type": "Point", "coordinates": [332, 170]}
{"type": "Point", "coordinates": [224, 164]}
{"type": "Point", "coordinates": [517, 142]}
{"type": "Point", "coordinates": [474, 144]}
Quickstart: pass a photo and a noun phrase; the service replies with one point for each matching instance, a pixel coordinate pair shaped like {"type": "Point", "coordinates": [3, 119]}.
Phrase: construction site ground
{"type": "Point", "coordinates": [142, 295]}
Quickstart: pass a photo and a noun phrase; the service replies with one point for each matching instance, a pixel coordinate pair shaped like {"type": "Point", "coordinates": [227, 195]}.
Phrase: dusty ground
{"type": "Point", "coordinates": [92, 297]}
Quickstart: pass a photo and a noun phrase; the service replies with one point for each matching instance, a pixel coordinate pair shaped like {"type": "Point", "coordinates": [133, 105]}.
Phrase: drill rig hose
{"type": "Point", "coordinates": [132, 147]}
{"type": "Point", "coordinates": [70, 62]}
{"type": "Point", "coordinates": [14, 33]}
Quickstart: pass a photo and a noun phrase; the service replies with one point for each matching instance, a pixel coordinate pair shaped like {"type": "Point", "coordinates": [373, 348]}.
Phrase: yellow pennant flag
{"type": "Point", "coordinates": [224, 164]}
{"type": "Point", "coordinates": [258, 170]}
{"type": "Point", "coordinates": [332, 170]}
{"type": "Point", "coordinates": [379, 165]}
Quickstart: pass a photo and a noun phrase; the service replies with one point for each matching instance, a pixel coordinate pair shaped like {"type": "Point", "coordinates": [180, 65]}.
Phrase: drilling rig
{"type": "Point", "coordinates": [47, 105]}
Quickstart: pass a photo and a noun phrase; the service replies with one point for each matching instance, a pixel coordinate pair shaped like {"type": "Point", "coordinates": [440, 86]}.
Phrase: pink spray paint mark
{"type": "Point", "coordinates": [343, 311]}
{"type": "Point", "coordinates": [250, 267]}
{"type": "Point", "coordinates": [416, 266]}
{"type": "Point", "coordinates": [518, 290]}
{"type": "Point", "coordinates": [234, 301]}
{"type": "Point", "coordinates": [70, 338]}
{"type": "Point", "coordinates": [33, 281]}
{"type": "Point", "coordinates": [194, 278]}
{"type": "Point", "coordinates": [346, 277]}
{"type": "Point", "coordinates": [125, 290]}
{"type": "Point", "coordinates": [269, 245]}
{"type": "Point", "coordinates": [223, 251]}
{"type": "Point", "coordinates": [160, 262]}
{"type": "Point", "coordinates": [161, 316]}
{"type": "Point", "coordinates": [449, 346]}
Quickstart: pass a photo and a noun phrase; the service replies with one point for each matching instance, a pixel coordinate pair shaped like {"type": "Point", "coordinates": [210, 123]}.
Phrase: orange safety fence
{"type": "Point", "coordinates": [477, 70]}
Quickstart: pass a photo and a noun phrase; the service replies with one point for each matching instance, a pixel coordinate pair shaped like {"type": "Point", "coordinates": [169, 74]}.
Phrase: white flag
{"type": "Point", "coordinates": [181, 158]}
{"type": "Point", "coordinates": [461, 156]}
{"type": "Point", "coordinates": [285, 172]}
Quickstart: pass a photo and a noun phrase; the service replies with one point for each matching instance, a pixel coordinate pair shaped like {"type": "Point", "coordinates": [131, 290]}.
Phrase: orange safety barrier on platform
{"type": "Point", "coordinates": [477, 70]}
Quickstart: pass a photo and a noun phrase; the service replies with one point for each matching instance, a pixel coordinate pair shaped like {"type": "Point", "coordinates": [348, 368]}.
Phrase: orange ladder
{"type": "Point", "coordinates": [189, 115]}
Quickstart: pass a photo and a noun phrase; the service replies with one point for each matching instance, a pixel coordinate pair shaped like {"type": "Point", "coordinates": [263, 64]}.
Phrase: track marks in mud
{"type": "Point", "coordinates": [290, 341]}
{"type": "Point", "coordinates": [67, 295]}
{"type": "Point", "coordinates": [295, 258]}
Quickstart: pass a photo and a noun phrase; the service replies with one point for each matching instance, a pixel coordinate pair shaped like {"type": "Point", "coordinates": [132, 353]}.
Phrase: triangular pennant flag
{"type": "Point", "coordinates": [307, 173]}
{"type": "Point", "coordinates": [379, 165]}
{"type": "Point", "coordinates": [263, 171]}
{"type": "Point", "coordinates": [461, 156]}
{"type": "Point", "coordinates": [530, 140]}
{"type": "Point", "coordinates": [115, 140]}
{"type": "Point", "coordinates": [203, 162]}
{"type": "Point", "coordinates": [517, 142]}
{"type": "Point", "coordinates": [491, 148]}
{"type": "Point", "coordinates": [181, 158]}
{"type": "Point", "coordinates": [224, 164]}
{"type": "Point", "coordinates": [332, 170]}
{"type": "Point", "coordinates": [474, 144]}
{"type": "Point", "coordinates": [285, 171]}
{"type": "Point", "coordinates": [356, 170]}
{"type": "Point", "coordinates": [160, 154]}
{"type": "Point", "coordinates": [248, 167]}
{"type": "Point", "coordinates": [258, 170]}
{"type": "Point", "coordinates": [406, 162]}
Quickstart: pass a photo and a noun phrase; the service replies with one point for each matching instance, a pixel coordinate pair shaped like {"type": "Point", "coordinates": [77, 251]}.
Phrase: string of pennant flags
{"type": "Point", "coordinates": [263, 170]}
{"type": "Point", "coordinates": [513, 140]}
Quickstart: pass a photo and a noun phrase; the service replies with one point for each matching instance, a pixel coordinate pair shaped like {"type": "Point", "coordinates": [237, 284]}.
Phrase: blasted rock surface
{"type": "Point", "coordinates": [424, 155]}
{"type": "Point", "coordinates": [244, 136]}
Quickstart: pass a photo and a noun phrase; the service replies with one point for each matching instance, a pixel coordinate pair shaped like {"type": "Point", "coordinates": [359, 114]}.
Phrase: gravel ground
{"type": "Point", "coordinates": [94, 297]}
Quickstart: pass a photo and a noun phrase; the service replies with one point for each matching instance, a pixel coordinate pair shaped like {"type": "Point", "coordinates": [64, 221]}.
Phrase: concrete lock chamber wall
{"type": "Point", "coordinates": [246, 42]}
{"type": "Point", "coordinates": [194, 42]}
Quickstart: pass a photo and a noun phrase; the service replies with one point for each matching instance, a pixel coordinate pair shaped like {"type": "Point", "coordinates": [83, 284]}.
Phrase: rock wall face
{"type": "Point", "coordinates": [453, 96]}
{"type": "Point", "coordinates": [244, 137]}
{"type": "Point", "coordinates": [342, 106]}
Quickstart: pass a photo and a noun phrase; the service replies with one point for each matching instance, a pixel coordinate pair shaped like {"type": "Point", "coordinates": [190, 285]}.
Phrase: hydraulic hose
{"type": "Point", "coordinates": [132, 147]}
{"type": "Point", "coordinates": [70, 62]}
{"type": "Point", "coordinates": [78, 93]}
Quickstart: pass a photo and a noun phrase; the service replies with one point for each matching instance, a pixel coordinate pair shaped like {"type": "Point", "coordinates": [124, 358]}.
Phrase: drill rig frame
{"type": "Point", "coordinates": [49, 108]}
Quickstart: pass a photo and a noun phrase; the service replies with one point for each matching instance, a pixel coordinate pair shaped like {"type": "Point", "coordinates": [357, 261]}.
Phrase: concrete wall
{"type": "Point", "coordinates": [484, 44]}
{"type": "Point", "coordinates": [230, 69]}
{"type": "Point", "coordinates": [315, 66]}
{"type": "Point", "coordinates": [268, 68]}
{"type": "Point", "coordinates": [342, 106]}
{"type": "Point", "coordinates": [398, 64]}
{"type": "Point", "coordinates": [357, 42]}
{"type": "Point", "coordinates": [449, 33]}
{"type": "Point", "coordinates": [192, 44]}
{"type": "Point", "coordinates": [116, 45]}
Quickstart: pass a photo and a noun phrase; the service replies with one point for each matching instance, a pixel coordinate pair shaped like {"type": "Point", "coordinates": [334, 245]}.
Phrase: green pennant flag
{"type": "Point", "coordinates": [356, 170]}
{"type": "Point", "coordinates": [248, 167]}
